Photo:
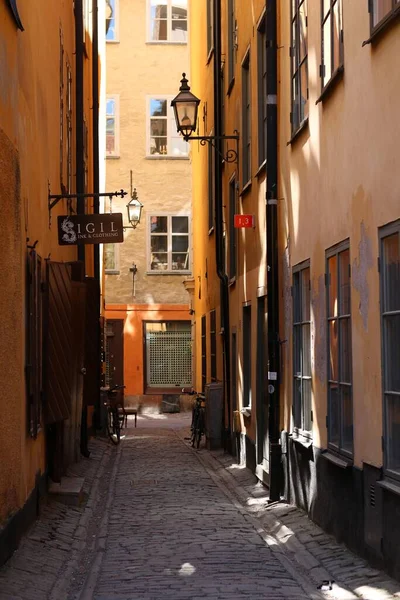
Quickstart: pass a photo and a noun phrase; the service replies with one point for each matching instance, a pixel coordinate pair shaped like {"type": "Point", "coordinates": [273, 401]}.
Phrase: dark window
{"type": "Point", "coordinates": [262, 91]}
{"type": "Point", "coordinates": [213, 345]}
{"type": "Point", "coordinates": [232, 230]}
{"type": "Point", "coordinates": [203, 352]}
{"type": "Point", "coordinates": [390, 309]}
{"type": "Point", "coordinates": [382, 11]}
{"type": "Point", "coordinates": [332, 39]}
{"type": "Point", "coordinates": [340, 404]}
{"type": "Point", "coordinates": [211, 186]}
{"type": "Point", "coordinates": [299, 54]}
{"type": "Point", "coordinates": [246, 119]}
{"type": "Point", "coordinates": [231, 41]}
{"type": "Point", "coordinates": [34, 343]}
{"type": "Point", "coordinates": [234, 372]}
{"type": "Point", "coordinates": [246, 356]}
{"type": "Point", "coordinates": [210, 26]}
{"type": "Point", "coordinates": [301, 349]}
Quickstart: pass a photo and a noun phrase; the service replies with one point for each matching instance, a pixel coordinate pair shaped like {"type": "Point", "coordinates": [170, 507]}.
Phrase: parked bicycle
{"type": "Point", "coordinates": [116, 416]}
{"type": "Point", "coordinates": [198, 426]}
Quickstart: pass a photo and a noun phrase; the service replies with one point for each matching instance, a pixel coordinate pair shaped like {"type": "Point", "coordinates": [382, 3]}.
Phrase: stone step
{"type": "Point", "coordinates": [68, 491]}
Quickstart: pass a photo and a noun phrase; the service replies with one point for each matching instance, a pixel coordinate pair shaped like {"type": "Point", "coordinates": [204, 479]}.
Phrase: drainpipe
{"type": "Point", "coordinates": [219, 247]}
{"type": "Point", "coordinates": [79, 130]}
{"type": "Point", "coordinates": [272, 253]}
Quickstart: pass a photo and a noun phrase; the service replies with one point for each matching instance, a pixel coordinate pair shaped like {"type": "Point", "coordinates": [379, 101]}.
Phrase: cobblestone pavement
{"type": "Point", "coordinates": [162, 520]}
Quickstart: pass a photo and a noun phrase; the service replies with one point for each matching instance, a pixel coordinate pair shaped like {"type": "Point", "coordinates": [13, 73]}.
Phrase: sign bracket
{"type": "Point", "coordinates": [54, 199]}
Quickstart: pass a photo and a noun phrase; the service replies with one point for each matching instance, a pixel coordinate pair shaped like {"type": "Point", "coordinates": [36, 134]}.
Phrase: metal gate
{"type": "Point", "coordinates": [169, 358]}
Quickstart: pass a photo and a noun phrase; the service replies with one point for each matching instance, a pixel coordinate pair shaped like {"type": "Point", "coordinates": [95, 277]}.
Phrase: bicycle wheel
{"type": "Point", "coordinates": [113, 426]}
{"type": "Point", "coordinates": [194, 428]}
{"type": "Point", "coordinates": [199, 429]}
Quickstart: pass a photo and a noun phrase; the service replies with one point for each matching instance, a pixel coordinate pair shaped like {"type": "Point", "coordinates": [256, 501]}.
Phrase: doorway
{"type": "Point", "coordinates": [262, 469]}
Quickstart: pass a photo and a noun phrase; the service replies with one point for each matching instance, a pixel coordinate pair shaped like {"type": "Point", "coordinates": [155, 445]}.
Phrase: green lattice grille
{"type": "Point", "coordinates": [169, 358]}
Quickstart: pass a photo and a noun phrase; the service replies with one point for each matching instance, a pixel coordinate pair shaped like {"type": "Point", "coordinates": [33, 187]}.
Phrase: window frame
{"type": "Point", "coordinates": [116, 20]}
{"type": "Point", "coordinates": [247, 357]}
{"type": "Point", "coordinates": [339, 69]}
{"type": "Point", "coordinates": [246, 119]}
{"type": "Point", "coordinates": [211, 186]}
{"type": "Point", "coordinates": [297, 124]}
{"type": "Point", "coordinates": [233, 232]}
{"type": "Point", "coordinates": [115, 270]}
{"type": "Point", "coordinates": [116, 152]}
{"type": "Point", "coordinates": [170, 135]}
{"type": "Point", "coordinates": [330, 253]}
{"type": "Point", "coordinates": [383, 233]}
{"type": "Point", "coordinates": [210, 28]}
{"type": "Point", "coordinates": [213, 345]}
{"type": "Point", "coordinates": [34, 343]}
{"type": "Point", "coordinates": [386, 20]}
{"type": "Point", "coordinates": [170, 234]}
{"type": "Point", "coordinates": [203, 338]}
{"type": "Point", "coordinates": [301, 430]}
{"type": "Point", "coordinates": [232, 42]}
{"type": "Point", "coordinates": [262, 89]}
{"type": "Point", "coordinates": [169, 25]}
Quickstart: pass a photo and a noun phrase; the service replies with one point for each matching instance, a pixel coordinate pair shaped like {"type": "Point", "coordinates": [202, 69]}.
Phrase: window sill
{"type": "Point", "coordinates": [376, 33]}
{"type": "Point", "coordinates": [332, 83]}
{"type": "Point", "coordinates": [181, 273]}
{"type": "Point", "coordinates": [341, 462]}
{"type": "Point", "coordinates": [389, 486]}
{"type": "Point", "coordinates": [302, 439]}
{"type": "Point", "coordinates": [111, 271]}
{"type": "Point", "coordinates": [296, 134]}
{"type": "Point", "coordinates": [165, 42]}
{"type": "Point", "coordinates": [245, 189]}
{"type": "Point", "coordinates": [112, 156]}
{"type": "Point", "coordinates": [246, 411]}
{"type": "Point", "coordinates": [232, 281]}
{"type": "Point", "coordinates": [112, 41]}
{"type": "Point", "coordinates": [230, 86]}
{"type": "Point", "coordinates": [262, 169]}
{"type": "Point", "coordinates": [165, 157]}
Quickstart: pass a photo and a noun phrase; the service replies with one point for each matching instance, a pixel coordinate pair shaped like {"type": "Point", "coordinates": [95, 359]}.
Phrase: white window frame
{"type": "Point", "coordinates": [115, 270]}
{"type": "Point", "coordinates": [115, 153]}
{"type": "Point", "coordinates": [168, 271]}
{"type": "Point", "coordinates": [170, 123]}
{"type": "Point", "coordinates": [116, 18]}
{"type": "Point", "coordinates": [169, 25]}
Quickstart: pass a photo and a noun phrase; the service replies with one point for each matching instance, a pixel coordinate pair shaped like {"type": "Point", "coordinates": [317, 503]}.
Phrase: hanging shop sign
{"type": "Point", "coordinates": [243, 221]}
{"type": "Point", "coordinates": [90, 229]}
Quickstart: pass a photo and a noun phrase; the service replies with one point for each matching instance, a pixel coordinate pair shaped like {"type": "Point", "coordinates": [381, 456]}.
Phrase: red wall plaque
{"type": "Point", "coordinates": [243, 221]}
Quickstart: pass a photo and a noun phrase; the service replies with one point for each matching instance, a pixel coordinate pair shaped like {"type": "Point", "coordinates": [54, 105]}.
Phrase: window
{"type": "Point", "coordinates": [163, 138]}
{"type": "Point", "coordinates": [246, 357]}
{"type": "Point", "coordinates": [390, 315]}
{"type": "Point", "coordinates": [302, 418]}
{"type": "Point", "coordinates": [213, 345]}
{"type": "Point", "coordinates": [169, 244]}
{"type": "Point", "coordinates": [203, 353]}
{"type": "Point", "coordinates": [34, 381]}
{"type": "Point", "coordinates": [246, 119]}
{"type": "Point", "coordinates": [168, 21]}
{"type": "Point", "coordinates": [168, 354]}
{"type": "Point", "coordinates": [210, 26]}
{"type": "Point", "coordinates": [232, 42]}
{"type": "Point", "coordinates": [112, 126]}
{"type": "Point", "coordinates": [111, 258]}
{"type": "Point", "coordinates": [299, 55]}
{"type": "Point", "coordinates": [211, 186]}
{"type": "Point", "coordinates": [340, 404]}
{"type": "Point", "coordinates": [69, 127]}
{"type": "Point", "coordinates": [262, 91]}
{"type": "Point", "coordinates": [332, 39]}
{"type": "Point", "coordinates": [382, 11]}
{"type": "Point", "coordinates": [232, 230]}
{"type": "Point", "coordinates": [112, 32]}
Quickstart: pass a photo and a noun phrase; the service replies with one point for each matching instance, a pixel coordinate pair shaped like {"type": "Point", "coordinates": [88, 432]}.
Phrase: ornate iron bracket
{"type": "Point", "coordinates": [54, 199]}
{"type": "Point", "coordinates": [230, 156]}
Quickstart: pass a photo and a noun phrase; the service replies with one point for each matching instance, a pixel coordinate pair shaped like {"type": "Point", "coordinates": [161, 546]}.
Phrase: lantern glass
{"type": "Point", "coordinates": [134, 211]}
{"type": "Point", "coordinates": [185, 106]}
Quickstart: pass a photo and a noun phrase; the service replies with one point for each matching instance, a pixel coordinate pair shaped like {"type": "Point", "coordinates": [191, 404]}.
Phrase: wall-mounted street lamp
{"type": "Point", "coordinates": [186, 106]}
{"type": "Point", "coordinates": [134, 208]}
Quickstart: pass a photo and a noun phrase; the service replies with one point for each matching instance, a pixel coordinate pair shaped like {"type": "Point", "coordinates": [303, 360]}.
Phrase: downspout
{"type": "Point", "coordinates": [272, 253]}
{"type": "Point", "coordinates": [79, 130]}
{"type": "Point", "coordinates": [219, 247]}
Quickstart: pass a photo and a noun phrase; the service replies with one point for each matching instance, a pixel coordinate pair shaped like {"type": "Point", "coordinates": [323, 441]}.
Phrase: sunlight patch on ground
{"type": "Point", "coordinates": [370, 591]}
{"type": "Point", "coordinates": [236, 466]}
{"type": "Point", "coordinates": [186, 569]}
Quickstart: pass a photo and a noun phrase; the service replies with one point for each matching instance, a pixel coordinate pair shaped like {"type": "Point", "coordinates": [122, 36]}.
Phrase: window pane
{"type": "Point", "coordinates": [159, 262]}
{"type": "Point", "coordinates": [391, 329]}
{"type": "Point", "coordinates": [158, 9]}
{"type": "Point", "coordinates": [326, 32]}
{"type": "Point", "coordinates": [296, 298]}
{"type": "Point", "coordinates": [297, 350]}
{"type": "Point", "coordinates": [180, 225]}
{"type": "Point", "coordinates": [180, 261]}
{"type": "Point", "coordinates": [327, 6]}
{"type": "Point", "coordinates": [158, 127]}
{"type": "Point", "coordinates": [380, 9]}
{"type": "Point", "coordinates": [347, 408]}
{"type": "Point", "coordinates": [344, 279]}
{"type": "Point", "coordinates": [391, 273]}
{"type": "Point", "coordinates": [178, 145]}
{"type": "Point", "coordinates": [180, 243]}
{"type": "Point", "coordinates": [159, 243]}
{"type": "Point", "coordinates": [303, 31]}
{"type": "Point", "coordinates": [159, 224]}
{"type": "Point", "coordinates": [393, 432]}
{"type": "Point", "coordinates": [306, 350]}
{"type": "Point", "coordinates": [109, 257]}
{"type": "Point", "coordinates": [179, 29]}
{"type": "Point", "coordinates": [345, 350]}
{"type": "Point", "coordinates": [333, 350]}
{"type": "Point", "coordinates": [307, 405]}
{"type": "Point", "coordinates": [332, 290]}
{"type": "Point", "coordinates": [110, 107]}
{"type": "Point", "coordinates": [158, 108]}
{"type": "Point", "coordinates": [334, 414]}
{"type": "Point", "coordinates": [111, 33]}
{"type": "Point", "coordinates": [297, 403]}
{"type": "Point", "coordinates": [304, 91]}
{"type": "Point", "coordinates": [305, 294]}
{"type": "Point", "coordinates": [337, 10]}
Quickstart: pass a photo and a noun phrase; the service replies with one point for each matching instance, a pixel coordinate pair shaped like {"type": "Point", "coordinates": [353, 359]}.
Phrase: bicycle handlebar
{"type": "Point", "coordinates": [116, 387]}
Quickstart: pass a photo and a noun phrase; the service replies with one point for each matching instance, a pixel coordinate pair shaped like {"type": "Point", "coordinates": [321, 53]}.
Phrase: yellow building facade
{"type": "Point", "coordinates": [39, 137]}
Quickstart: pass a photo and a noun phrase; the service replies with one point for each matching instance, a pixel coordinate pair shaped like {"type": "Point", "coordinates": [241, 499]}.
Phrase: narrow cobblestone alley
{"type": "Point", "coordinates": [165, 521]}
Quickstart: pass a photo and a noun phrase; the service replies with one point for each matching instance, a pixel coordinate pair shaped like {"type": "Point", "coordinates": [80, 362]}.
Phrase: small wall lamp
{"type": "Point", "coordinates": [134, 208]}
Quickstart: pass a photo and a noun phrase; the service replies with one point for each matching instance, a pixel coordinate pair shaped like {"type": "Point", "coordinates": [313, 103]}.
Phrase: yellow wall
{"type": "Point", "coordinates": [339, 180]}
{"type": "Point", "coordinates": [30, 164]}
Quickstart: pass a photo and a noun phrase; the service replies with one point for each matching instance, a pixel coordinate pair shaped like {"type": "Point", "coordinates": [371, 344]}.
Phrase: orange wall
{"type": "Point", "coordinates": [134, 316]}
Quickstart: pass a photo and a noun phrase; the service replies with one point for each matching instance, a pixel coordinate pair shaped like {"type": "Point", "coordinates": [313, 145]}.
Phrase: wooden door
{"type": "Point", "coordinates": [262, 391]}
{"type": "Point", "coordinates": [115, 352]}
